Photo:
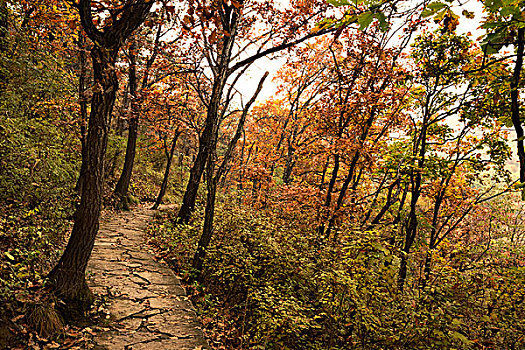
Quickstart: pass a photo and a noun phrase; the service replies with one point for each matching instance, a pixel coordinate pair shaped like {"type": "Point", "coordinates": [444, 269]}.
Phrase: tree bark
{"type": "Point", "coordinates": [515, 107]}
{"type": "Point", "coordinates": [82, 89]}
{"type": "Point", "coordinates": [169, 159]}
{"type": "Point", "coordinates": [208, 138]}
{"type": "Point", "coordinates": [213, 179]}
{"type": "Point", "coordinates": [287, 173]}
{"type": "Point", "coordinates": [4, 30]}
{"type": "Point", "coordinates": [122, 187]}
{"type": "Point", "coordinates": [230, 17]}
{"type": "Point", "coordinates": [190, 195]}
{"type": "Point", "coordinates": [411, 228]}
{"type": "Point", "coordinates": [3, 25]}
{"type": "Point", "coordinates": [204, 241]}
{"type": "Point", "coordinates": [68, 276]}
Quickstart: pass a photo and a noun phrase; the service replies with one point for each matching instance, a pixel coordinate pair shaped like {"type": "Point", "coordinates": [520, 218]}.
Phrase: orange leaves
{"type": "Point", "coordinates": [72, 24]}
{"type": "Point", "coordinates": [148, 23]}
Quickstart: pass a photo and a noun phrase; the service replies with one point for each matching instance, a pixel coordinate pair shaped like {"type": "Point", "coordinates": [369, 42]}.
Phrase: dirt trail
{"type": "Point", "coordinates": [148, 304]}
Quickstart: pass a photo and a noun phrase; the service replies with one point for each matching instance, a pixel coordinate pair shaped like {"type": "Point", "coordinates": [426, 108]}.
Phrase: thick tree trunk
{"type": "Point", "coordinates": [208, 138]}
{"type": "Point", "coordinates": [328, 200]}
{"type": "Point", "coordinates": [68, 276]}
{"type": "Point", "coordinates": [410, 235]}
{"type": "Point", "coordinates": [121, 190]}
{"type": "Point", "coordinates": [287, 173]}
{"type": "Point", "coordinates": [207, 145]}
{"type": "Point", "coordinates": [122, 187]}
{"type": "Point", "coordinates": [164, 185]}
{"type": "Point", "coordinates": [341, 197]}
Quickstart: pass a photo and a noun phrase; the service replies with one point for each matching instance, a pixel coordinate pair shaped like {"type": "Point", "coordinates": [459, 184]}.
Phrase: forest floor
{"type": "Point", "coordinates": [147, 307]}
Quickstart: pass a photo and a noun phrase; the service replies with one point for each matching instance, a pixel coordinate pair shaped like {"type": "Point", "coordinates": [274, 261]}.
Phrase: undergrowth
{"type": "Point", "coordinates": [268, 284]}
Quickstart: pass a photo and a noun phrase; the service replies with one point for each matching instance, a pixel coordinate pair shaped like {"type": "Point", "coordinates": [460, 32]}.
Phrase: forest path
{"type": "Point", "coordinates": [148, 306]}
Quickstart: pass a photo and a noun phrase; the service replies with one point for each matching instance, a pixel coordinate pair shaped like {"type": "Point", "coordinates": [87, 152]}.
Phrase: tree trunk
{"type": "Point", "coordinates": [207, 232]}
{"type": "Point", "coordinates": [164, 185]}
{"type": "Point", "coordinates": [3, 25]}
{"type": "Point", "coordinates": [213, 180]}
{"type": "Point", "coordinates": [328, 200]}
{"type": "Point", "coordinates": [206, 146]}
{"type": "Point", "coordinates": [341, 197]}
{"type": "Point", "coordinates": [190, 195]}
{"type": "Point", "coordinates": [208, 138]}
{"type": "Point", "coordinates": [82, 89]}
{"type": "Point", "coordinates": [411, 228]}
{"type": "Point", "coordinates": [121, 190]}
{"type": "Point", "coordinates": [287, 173]}
{"type": "Point", "coordinates": [68, 276]}
{"type": "Point", "coordinates": [515, 107]}
{"type": "Point", "coordinates": [290, 155]}
{"type": "Point", "coordinates": [3, 41]}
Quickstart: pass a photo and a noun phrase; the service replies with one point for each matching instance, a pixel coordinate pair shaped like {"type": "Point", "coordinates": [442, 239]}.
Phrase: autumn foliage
{"type": "Point", "coordinates": [370, 200]}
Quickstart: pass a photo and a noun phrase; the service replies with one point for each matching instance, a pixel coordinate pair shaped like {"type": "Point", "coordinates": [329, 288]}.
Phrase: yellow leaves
{"type": "Point", "coordinates": [9, 256]}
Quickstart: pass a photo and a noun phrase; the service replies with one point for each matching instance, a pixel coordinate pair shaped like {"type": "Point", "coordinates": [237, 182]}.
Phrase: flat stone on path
{"type": "Point", "coordinates": [147, 304]}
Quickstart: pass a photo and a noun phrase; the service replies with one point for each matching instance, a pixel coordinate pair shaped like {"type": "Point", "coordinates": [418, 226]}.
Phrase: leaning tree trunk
{"type": "Point", "coordinates": [213, 179]}
{"type": "Point", "coordinates": [121, 190]}
{"type": "Point", "coordinates": [68, 276]}
{"type": "Point", "coordinates": [164, 185]}
{"type": "Point", "coordinates": [190, 195]}
{"type": "Point", "coordinates": [207, 140]}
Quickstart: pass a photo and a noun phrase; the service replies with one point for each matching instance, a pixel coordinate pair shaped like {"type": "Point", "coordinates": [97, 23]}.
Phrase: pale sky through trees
{"type": "Point", "coordinates": [248, 82]}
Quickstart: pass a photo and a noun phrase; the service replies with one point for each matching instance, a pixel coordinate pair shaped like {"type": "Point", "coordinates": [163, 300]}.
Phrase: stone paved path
{"type": "Point", "coordinates": [148, 304]}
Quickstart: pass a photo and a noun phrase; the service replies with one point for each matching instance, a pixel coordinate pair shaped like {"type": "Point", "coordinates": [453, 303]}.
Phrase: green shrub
{"type": "Point", "coordinates": [267, 285]}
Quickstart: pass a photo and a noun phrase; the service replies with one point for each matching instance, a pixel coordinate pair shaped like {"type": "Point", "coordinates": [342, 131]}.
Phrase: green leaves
{"type": "Point", "coordinates": [501, 23]}
{"type": "Point", "coordinates": [493, 5]}
{"type": "Point", "coordinates": [433, 9]}
{"type": "Point", "coordinates": [366, 18]}
{"type": "Point", "coordinates": [338, 3]}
